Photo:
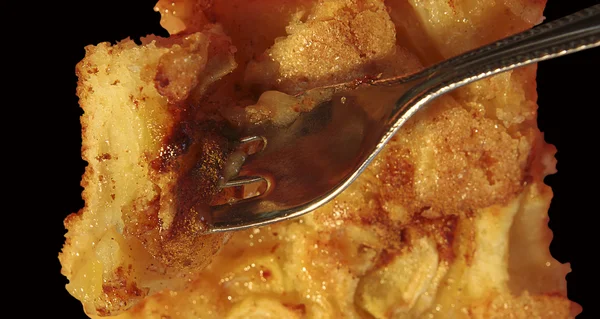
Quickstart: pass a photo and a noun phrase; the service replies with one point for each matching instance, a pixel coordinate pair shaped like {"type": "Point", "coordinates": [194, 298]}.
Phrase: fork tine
{"type": "Point", "coordinates": [244, 180]}
{"type": "Point", "coordinates": [246, 146]}
{"type": "Point", "coordinates": [248, 142]}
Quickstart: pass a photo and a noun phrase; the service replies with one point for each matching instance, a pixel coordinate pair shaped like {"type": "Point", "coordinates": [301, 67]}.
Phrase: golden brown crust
{"type": "Point", "coordinates": [150, 172]}
{"type": "Point", "coordinates": [449, 221]}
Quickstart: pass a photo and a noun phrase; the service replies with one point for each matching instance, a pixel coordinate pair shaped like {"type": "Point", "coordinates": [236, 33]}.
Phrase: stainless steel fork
{"type": "Point", "coordinates": [304, 165]}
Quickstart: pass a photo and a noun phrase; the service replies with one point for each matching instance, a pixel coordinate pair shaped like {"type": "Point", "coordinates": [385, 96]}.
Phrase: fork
{"type": "Point", "coordinates": [300, 167]}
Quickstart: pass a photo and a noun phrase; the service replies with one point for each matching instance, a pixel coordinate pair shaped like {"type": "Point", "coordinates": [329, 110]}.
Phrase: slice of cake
{"type": "Point", "coordinates": [450, 220]}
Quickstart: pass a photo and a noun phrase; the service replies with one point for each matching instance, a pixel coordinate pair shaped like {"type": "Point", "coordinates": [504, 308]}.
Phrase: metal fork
{"type": "Point", "coordinates": [306, 164]}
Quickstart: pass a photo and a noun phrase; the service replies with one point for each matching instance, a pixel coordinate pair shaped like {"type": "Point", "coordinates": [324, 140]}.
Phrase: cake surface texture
{"type": "Point", "coordinates": [449, 221]}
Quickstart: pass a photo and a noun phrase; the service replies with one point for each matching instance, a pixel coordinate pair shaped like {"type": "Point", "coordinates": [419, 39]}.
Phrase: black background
{"type": "Point", "coordinates": [42, 95]}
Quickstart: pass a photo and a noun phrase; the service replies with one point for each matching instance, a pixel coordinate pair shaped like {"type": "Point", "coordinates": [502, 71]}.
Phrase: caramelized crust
{"type": "Point", "coordinates": [362, 34]}
{"type": "Point", "coordinates": [449, 221]}
{"type": "Point", "coordinates": [153, 163]}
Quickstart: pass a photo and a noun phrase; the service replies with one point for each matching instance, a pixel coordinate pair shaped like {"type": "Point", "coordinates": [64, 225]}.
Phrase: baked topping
{"type": "Point", "coordinates": [448, 221]}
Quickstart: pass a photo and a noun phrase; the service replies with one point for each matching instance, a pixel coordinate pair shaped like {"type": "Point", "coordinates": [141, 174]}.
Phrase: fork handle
{"type": "Point", "coordinates": [573, 33]}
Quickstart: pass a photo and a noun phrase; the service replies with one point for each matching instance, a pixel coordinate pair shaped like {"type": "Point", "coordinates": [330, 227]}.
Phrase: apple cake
{"type": "Point", "coordinates": [449, 221]}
